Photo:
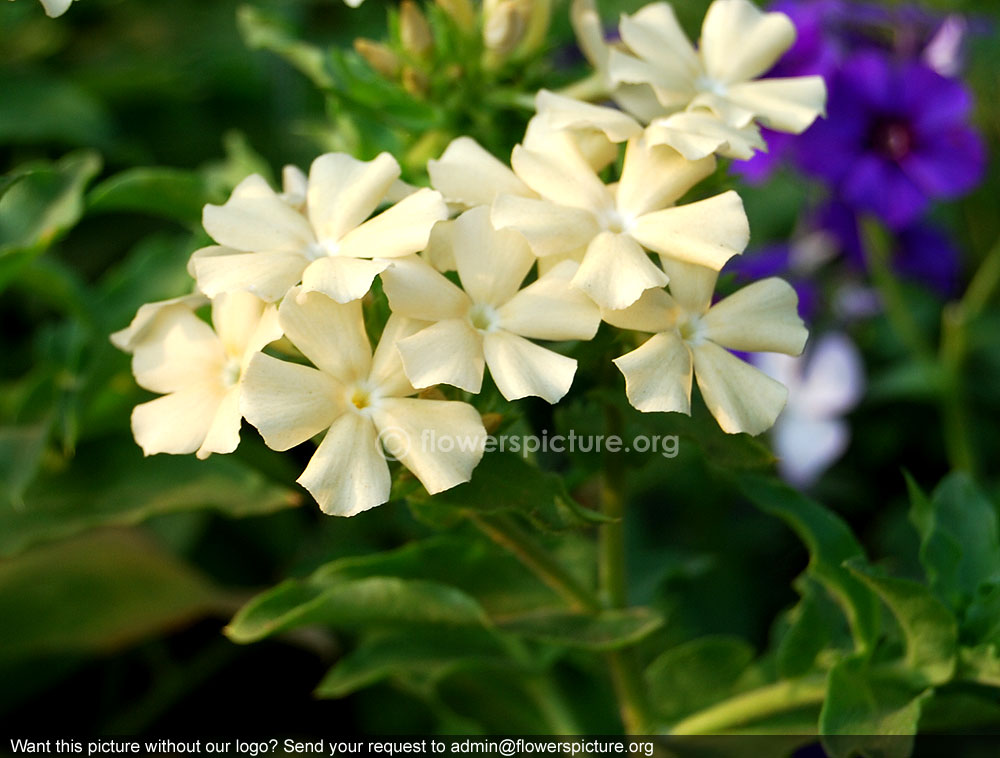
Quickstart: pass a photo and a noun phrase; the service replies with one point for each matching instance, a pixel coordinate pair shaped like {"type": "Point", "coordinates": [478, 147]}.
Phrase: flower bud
{"type": "Point", "coordinates": [414, 31]}
{"type": "Point", "coordinates": [378, 56]}
{"type": "Point", "coordinates": [504, 27]}
{"type": "Point", "coordinates": [461, 12]}
{"type": "Point", "coordinates": [415, 82]}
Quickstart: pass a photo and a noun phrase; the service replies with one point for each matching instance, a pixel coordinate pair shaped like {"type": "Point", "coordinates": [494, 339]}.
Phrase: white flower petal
{"type": "Point", "coordinates": [223, 436]}
{"type": "Point", "coordinates": [550, 309]}
{"type": "Point", "coordinates": [566, 113]}
{"type": "Point", "coordinates": [691, 285]}
{"type": "Point", "coordinates": [342, 279]}
{"type": "Point", "coordinates": [235, 317]}
{"type": "Point", "coordinates": [55, 8]}
{"type": "Point", "coordinates": [400, 230]}
{"type": "Point", "coordinates": [670, 93]}
{"type": "Point", "coordinates": [787, 105]}
{"type": "Point", "coordinates": [708, 232]}
{"type": "Point", "coordinates": [654, 35]}
{"type": "Point", "coordinates": [179, 352]}
{"type": "Point", "coordinates": [414, 430]}
{"type": "Point", "coordinates": [655, 311]}
{"type": "Point", "coordinates": [344, 191]}
{"type": "Point", "coordinates": [348, 473]}
{"type": "Point", "coordinates": [521, 368]}
{"type": "Point", "coordinates": [470, 175]}
{"type": "Point", "coordinates": [491, 262]}
{"type": "Point", "coordinates": [761, 317]}
{"type": "Point", "coordinates": [448, 352]}
{"type": "Point", "coordinates": [739, 42]}
{"type": "Point", "coordinates": [590, 32]}
{"type": "Point", "coordinates": [654, 177]}
{"type": "Point", "coordinates": [658, 374]}
{"type": "Point", "coordinates": [439, 251]}
{"type": "Point", "coordinates": [698, 133]}
{"type": "Point", "coordinates": [806, 447]}
{"type": "Point", "coordinates": [176, 423]}
{"type": "Point", "coordinates": [741, 398]}
{"type": "Point", "coordinates": [550, 229]}
{"type": "Point", "coordinates": [561, 175]}
{"type": "Point", "coordinates": [616, 271]}
{"type": "Point", "coordinates": [267, 275]}
{"type": "Point", "coordinates": [387, 372]}
{"type": "Point", "coordinates": [258, 221]}
{"type": "Point", "coordinates": [416, 290]}
{"type": "Point", "coordinates": [288, 403]}
{"type": "Point", "coordinates": [147, 315]}
{"type": "Point", "coordinates": [833, 379]}
{"type": "Point", "coordinates": [330, 334]}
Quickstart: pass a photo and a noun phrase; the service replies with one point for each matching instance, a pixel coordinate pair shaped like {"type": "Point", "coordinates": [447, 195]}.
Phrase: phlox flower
{"type": "Point", "coordinates": [692, 337]}
{"type": "Point", "coordinates": [362, 401]}
{"type": "Point", "coordinates": [198, 370]}
{"type": "Point", "coordinates": [266, 245]}
{"type": "Point", "coordinates": [738, 44]}
{"type": "Point", "coordinates": [823, 385]}
{"type": "Point", "coordinates": [490, 321]}
{"type": "Point", "coordinates": [608, 227]}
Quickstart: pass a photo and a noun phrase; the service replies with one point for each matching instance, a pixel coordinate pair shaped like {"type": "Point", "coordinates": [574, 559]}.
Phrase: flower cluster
{"type": "Point", "coordinates": [476, 270]}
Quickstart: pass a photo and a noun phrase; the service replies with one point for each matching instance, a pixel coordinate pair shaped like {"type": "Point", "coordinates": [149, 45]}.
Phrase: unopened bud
{"type": "Point", "coordinates": [414, 31]}
{"type": "Point", "coordinates": [415, 82]}
{"type": "Point", "coordinates": [504, 27]}
{"type": "Point", "coordinates": [492, 421]}
{"type": "Point", "coordinates": [461, 12]}
{"type": "Point", "coordinates": [378, 56]}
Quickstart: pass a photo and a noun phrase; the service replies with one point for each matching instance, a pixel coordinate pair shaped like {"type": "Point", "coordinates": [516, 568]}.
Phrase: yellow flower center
{"type": "Point", "coordinates": [692, 329]}
{"type": "Point", "coordinates": [484, 317]}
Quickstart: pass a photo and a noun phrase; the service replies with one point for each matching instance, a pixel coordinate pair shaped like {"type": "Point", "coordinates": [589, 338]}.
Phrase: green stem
{"type": "Point", "coordinates": [958, 444]}
{"type": "Point", "coordinates": [507, 533]}
{"type": "Point", "coordinates": [902, 321]}
{"type": "Point", "coordinates": [622, 664]}
{"type": "Point", "coordinates": [984, 284]}
{"type": "Point", "coordinates": [752, 706]}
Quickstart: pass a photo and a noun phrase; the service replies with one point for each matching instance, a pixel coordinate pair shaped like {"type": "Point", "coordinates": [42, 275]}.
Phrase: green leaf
{"type": "Point", "coordinates": [21, 449]}
{"type": "Point", "coordinates": [608, 630]}
{"type": "Point", "coordinates": [414, 652]}
{"type": "Point", "coordinates": [168, 192]}
{"type": "Point", "coordinates": [351, 603]}
{"type": "Point", "coordinates": [39, 110]}
{"type": "Point", "coordinates": [261, 31]}
{"type": "Point", "coordinates": [929, 629]}
{"type": "Point", "coordinates": [96, 594]}
{"type": "Point", "coordinates": [830, 543]}
{"type": "Point", "coordinates": [868, 714]}
{"type": "Point", "coordinates": [506, 482]}
{"type": "Point", "coordinates": [696, 674]}
{"type": "Point", "coordinates": [111, 483]}
{"type": "Point", "coordinates": [980, 664]}
{"type": "Point", "coordinates": [808, 633]}
{"type": "Point", "coordinates": [41, 205]}
{"type": "Point", "coordinates": [959, 537]}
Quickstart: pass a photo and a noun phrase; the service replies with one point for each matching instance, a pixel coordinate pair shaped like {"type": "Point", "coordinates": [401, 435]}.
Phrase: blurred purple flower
{"type": "Point", "coordinates": [896, 137]}
{"type": "Point", "coordinates": [823, 385]}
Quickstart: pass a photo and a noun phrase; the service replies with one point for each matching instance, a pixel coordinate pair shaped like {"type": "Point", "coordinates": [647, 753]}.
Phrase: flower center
{"type": "Point", "coordinates": [708, 84]}
{"type": "Point", "coordinates": [615, 221]}
{"type": "Point", "coordinates": [892, 138]}
{"type": "Point", "coordinates": [484, 317]}
{"type": "Point", "coordinates": [231, 372]}
{"type": "Point", "coordinates": [692, 329]}
{"type": "Point", "coordinates": [322, 249]}
{"type": "Point", "coordinates": [363, 397]}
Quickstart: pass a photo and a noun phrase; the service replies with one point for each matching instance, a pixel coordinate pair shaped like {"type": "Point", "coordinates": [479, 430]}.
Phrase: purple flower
{"type": "Point", "coordinates": [896, 138]}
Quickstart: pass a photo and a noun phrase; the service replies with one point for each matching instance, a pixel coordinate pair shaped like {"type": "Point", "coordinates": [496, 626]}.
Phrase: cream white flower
{"type": "Point", "coordinates": [266, 246]}
{"type": "Point", "coordinates": [197, 370]}
{"type": "Point", "coordinates": [607, 227]}
{"type": "Point", "coordinates": [362, 401]}
{"type": "Point", "coordinates": [691, 337]}
{"type": "Point", "coordinates": [55, 8]}
{"type": "Point", "coordinates": [738, 44]}
{"type": "Point", "coordinates": [491, 321]}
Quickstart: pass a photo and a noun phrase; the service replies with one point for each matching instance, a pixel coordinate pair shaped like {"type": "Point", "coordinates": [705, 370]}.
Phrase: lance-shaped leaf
{"type": "Point", "coordinates": [609, 630]}
{"type": "Point", "coordinates": [830, 543]}
{"type": "Point", "coordinates": [167, 192]}
{"type": "Point", "coordinates": [929, 629]}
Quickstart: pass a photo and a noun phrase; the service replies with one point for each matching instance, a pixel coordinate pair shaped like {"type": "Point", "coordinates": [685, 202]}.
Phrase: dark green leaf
{"type": "Point", "coordinates": [830, 543]}
{"type": "Point", "coordinates": [929, 628]}
{"type": "Point", "coordinates": [809, 632]}
{"type": "Point", "coordinates": [112, 484]}
{"type": "Point", "coordinates": [868, 714]}
{"type": "Point", "coordinates": [350, 603]}
{"type": "Point", "coordinates": [959, 539]}
{"type": "Point", "coordinates": [37, 110]}
{"type": "Point", "coordinates": [95, 594]}
{"type": "Point", "coordinates": [609, 630]}
{"type": "Point", "coordinates": [980, 664]}
{"type": "Point", "coordinates": [696, 674]}
{"type": "Point", "coordinates": [168, 192]}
